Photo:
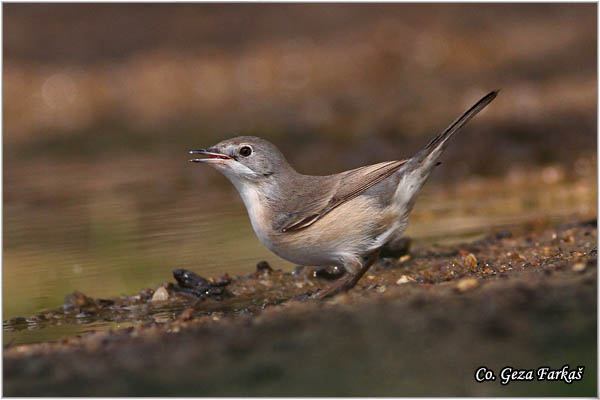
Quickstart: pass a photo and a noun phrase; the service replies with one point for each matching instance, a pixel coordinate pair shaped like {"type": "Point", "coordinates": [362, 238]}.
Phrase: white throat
{"type": "Point", "coordinates": [254, 199]}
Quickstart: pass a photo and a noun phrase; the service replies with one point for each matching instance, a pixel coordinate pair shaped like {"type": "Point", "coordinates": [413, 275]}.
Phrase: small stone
{"type": "Point", "coordinates": [329, 273]}
{"type": "Point", "coordinates": [263, 266]}
{"type": "Point", "coordinates": [518, 257]}
{"type": "Point", "coordinates": [76, 300]}
{"type": "Point", "coordinates": [161, 294]}
{"type": "Point", "coordinates": [470, 261]}
{"type": "Point", "coordinates": [189, 279]}
{"type": "Point", "coordinates": [466, 284]}
{"type": "Point", "coordinates": [568, 239]}
{"type": "Point", "coordinates": [396, 248]}
{"type": "Point", "coordinates": [403, 279]}
{"type": "Point", "coordinates": [146, 294]}
{"type": "Point", "coordinates": [578, 267]}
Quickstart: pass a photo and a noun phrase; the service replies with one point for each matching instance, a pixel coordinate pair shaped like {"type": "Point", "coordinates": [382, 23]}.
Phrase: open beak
{"type": "Point", "coordinates": [209, 156]}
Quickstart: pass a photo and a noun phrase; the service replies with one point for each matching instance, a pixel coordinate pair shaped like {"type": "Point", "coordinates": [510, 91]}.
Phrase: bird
{"type": "Point", "coordinates": [339, 220]}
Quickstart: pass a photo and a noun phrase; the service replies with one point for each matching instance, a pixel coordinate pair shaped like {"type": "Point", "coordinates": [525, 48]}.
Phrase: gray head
{"type": "Point", "coordinates": [245, 158]}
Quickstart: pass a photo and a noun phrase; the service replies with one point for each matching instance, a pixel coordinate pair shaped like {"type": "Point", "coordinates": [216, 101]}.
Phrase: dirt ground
{"type": "Point", "coordinates": [525, 300]}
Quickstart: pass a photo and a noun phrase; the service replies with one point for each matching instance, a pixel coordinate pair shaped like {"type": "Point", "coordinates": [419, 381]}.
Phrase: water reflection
{"type": "Point", "coordinates": [116, 249]}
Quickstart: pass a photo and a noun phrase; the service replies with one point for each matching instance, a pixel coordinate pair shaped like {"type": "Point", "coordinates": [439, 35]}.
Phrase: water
{"type": "Point", "coordinates": [105, 243]}
{"type": "Point", "coordinates": [125, 252]}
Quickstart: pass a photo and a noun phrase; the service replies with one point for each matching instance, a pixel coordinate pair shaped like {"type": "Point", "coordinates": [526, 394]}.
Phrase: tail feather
{"type": "Point", "coordinates": [433, 149]}
{"type": "Point", "coordinates": [415, 171]}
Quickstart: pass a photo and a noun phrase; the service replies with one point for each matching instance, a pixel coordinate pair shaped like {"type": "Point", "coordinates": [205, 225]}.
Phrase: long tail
{"type": "Point", "coordinates": [417, 169]}
{"type": "Point", "coordinates": [436, 146]}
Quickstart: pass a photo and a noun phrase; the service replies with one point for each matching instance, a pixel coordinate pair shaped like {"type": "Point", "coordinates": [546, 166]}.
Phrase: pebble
{"type": "Point", "coordinates": [578, 267]}
{"type": "Point", "coordinates": [466, 284]}
{"type": "Point", "coordinates": [403, 279]}
{"type": "Point", "coordinates": [404, 258]}
{"type": "Point", "coordinates": [328, 273]}
{"type": "Point", "coordinates": [470, 261]}
{"type": "Point", "coordinates": [189, 279]}
{"type": "Point", "coordinates": [76, 300]}
{"type": "Point", "coordinates": [161, 294]}
{"type": "Point", "coordinates": [263, 266]}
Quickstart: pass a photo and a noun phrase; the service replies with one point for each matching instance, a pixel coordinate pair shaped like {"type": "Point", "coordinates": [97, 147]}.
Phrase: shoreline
{"type": "Point", "coordinates": [520, 300]}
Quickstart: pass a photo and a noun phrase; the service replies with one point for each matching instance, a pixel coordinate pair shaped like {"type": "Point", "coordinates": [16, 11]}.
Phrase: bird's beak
{"type": "Point", "coordinates": [209, 155]}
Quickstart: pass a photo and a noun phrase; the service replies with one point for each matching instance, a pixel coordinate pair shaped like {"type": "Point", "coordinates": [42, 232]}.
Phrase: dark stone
{"type": "Point", "coordinates": [396, 248]}
{"type": "Point", "coordinates": [330, 273]}
{"type": "Point", "coordinates": [192, 284]}
{"type": "Point", "coordinates": [76, 300]}
{"type": "Point", "coordinates": [146, 294]}
{"type": "Point", "coordinates": [189, 279]}
{"type": "Point", "coordinates": [263, 266]}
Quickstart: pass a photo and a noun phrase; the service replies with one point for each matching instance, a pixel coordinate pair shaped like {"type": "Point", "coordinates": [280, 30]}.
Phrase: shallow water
{"type": "Point", "coordinates": [124, 253]}
{"type": "Point", "coordinates": [114, 244]}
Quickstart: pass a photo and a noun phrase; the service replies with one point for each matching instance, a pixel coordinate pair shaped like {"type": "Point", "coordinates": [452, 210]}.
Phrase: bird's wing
{"type": "Point", "coordinates": [349, 185]}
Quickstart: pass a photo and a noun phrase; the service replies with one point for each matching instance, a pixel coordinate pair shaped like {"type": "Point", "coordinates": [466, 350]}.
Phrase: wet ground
{"type": "Point", "coordinates": [521, 299]}
{"type": "Point", "coordinates": [98, 193]}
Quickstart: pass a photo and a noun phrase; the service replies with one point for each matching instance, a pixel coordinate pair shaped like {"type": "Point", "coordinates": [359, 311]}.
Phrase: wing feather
{"type": "Point", "coordinates": [349, 185]}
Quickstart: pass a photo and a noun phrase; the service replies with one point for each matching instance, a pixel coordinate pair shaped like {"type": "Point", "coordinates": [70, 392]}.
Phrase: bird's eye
{"type": "Point", "coordinates": [245, 151]}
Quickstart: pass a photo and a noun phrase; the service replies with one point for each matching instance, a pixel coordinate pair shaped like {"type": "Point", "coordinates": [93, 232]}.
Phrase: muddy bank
{"type": "Point", "coordinates": [418, 324]}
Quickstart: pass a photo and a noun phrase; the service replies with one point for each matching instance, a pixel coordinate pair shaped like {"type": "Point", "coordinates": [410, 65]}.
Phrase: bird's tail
{"type": "Point", "coordinates": [417, 169]}
{"type": "Point", "coordinates": [429, 155]}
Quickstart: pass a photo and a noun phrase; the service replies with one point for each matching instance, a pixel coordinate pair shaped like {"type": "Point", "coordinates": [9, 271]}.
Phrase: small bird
{"type": "Point", "coordinates": [335, 220]}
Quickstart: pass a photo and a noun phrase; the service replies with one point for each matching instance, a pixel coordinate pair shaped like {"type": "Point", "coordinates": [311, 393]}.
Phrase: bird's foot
{"type": "Point", "coordinates": [346, 283]}
{"type": "Point", "coordinates": [337, 287]}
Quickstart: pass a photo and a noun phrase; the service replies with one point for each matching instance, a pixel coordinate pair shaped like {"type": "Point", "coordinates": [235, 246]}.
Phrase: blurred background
{"type": "Point", "coordinates": [103, 101]}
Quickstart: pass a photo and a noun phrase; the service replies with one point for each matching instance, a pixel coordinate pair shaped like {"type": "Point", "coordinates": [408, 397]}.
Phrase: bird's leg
{"type": "Point", "coordinates": [348, 282]}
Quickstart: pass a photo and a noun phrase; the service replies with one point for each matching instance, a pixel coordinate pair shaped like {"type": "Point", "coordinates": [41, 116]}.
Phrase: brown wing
{"type": "Point", "coordinates": [350, 185]}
